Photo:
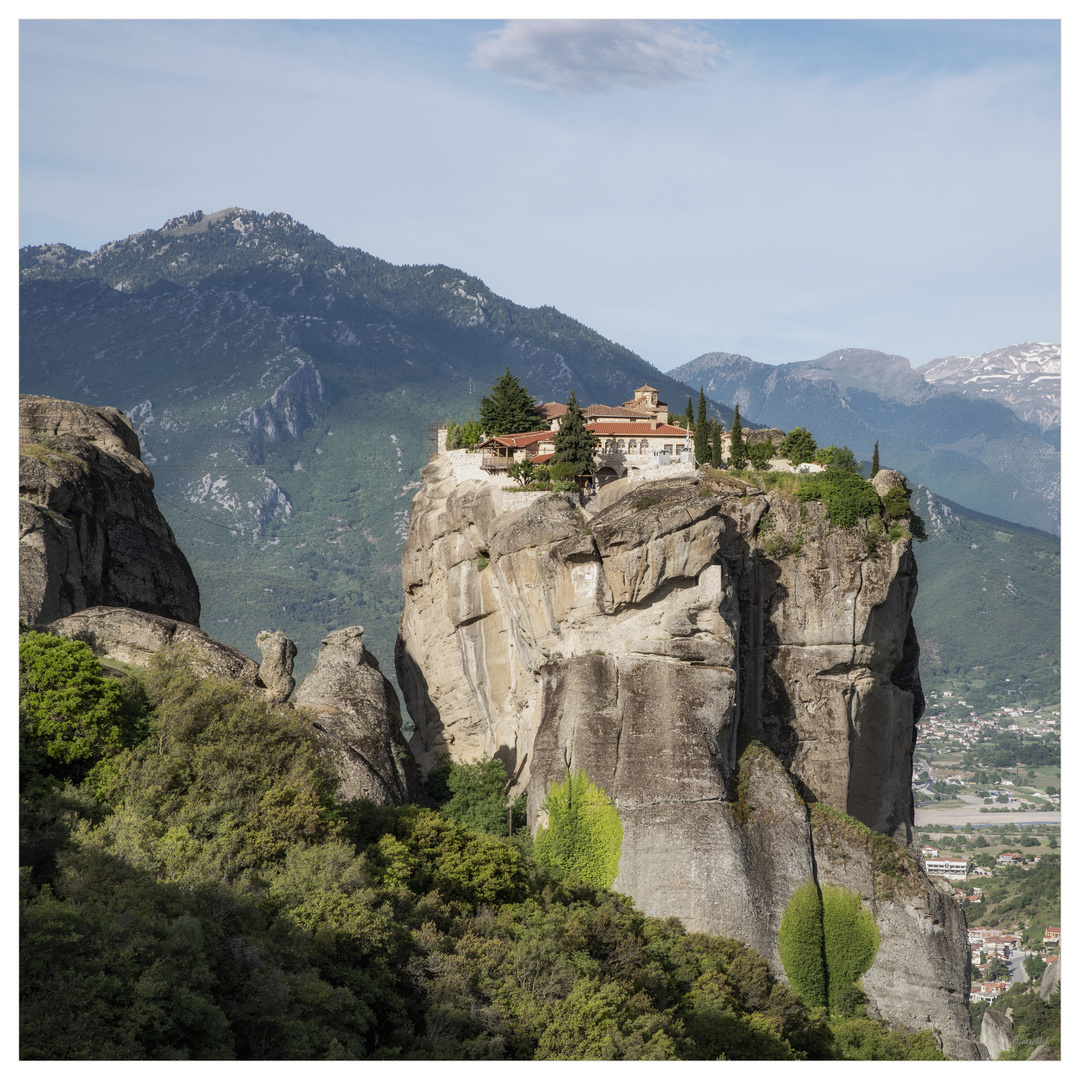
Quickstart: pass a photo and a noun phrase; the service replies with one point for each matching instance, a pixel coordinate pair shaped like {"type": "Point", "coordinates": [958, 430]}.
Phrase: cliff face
{"type": "Point", "coordinates": [648, 643]}
{"type": "Point", "coordinates": [90, 531]}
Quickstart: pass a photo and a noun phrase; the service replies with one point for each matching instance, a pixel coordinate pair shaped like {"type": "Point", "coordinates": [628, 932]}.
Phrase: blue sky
{"type": "Point", "coordinates": [778, 189]}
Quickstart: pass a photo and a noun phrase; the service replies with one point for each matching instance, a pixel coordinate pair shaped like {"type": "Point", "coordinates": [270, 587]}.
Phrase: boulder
{"type": "Point", "coordinates": [358, 721]}
{"type": "Point", "coordinates": [996, 1033]}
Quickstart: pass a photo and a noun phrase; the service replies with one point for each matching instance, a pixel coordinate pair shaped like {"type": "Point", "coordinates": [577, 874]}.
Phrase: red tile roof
{"type": "Point", "coordinates": [527, 438]}
{"type": "Point", "coordinates": [600, 427]}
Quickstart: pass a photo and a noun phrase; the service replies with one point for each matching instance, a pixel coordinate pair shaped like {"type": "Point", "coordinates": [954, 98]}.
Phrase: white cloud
{"type": "Point", "coordinates": [576, 55]}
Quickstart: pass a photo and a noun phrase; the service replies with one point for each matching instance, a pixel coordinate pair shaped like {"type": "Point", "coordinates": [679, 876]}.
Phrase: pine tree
{"type": "Point", "coordinates": [874, 465]}
{"type": "Point", "coordinates": [738, 448]}
{"type": "Point", "coordinates": [509, 408]}
{"type": "Point", "coordinates": [716, 442]}
{"type": "Point", "coordinates": [701, 431]}
{"type": "Point", "coordinates": [573, 441]}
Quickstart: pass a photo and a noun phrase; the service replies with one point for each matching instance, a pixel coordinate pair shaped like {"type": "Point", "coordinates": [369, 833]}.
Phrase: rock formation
{"type": "Point", "coordinates": [133, 637]}
{"type": "Point", "coordinates": [90, 532]}
{"type": "Point", "coordinates": [1050, 983]}
{"type": "Point", "coordinates": [715, 658]}
{"type": "Point", "coordinates": [275, 672]}
{"type": "Point", "coordinates": [996, 1033]}
{"type": "Point", "coordinates": [358, 721]}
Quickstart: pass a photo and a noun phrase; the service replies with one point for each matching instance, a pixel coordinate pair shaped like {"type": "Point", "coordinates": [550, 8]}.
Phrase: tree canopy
{"type": "Point", "coordinates": [509, 408]}
{"type": "Point", "coordinates": [574, 443]}
{"type": "Point", "coordinates": [799, 446]}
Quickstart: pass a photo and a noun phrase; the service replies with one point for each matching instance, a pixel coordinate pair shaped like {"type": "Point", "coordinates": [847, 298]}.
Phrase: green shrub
{"type": "Point", "coordinates": [851, 943]}
{"type": "Point", "coordinates": [801, 944]}
{"type": "Point", "coordinates": [563, 470]}
{"type": "Point", "coordinates": [774, 546]}
{"type": "Point", "coordinates": [827, 941]}
{"type": "Point", "coordinates": [478, 797]}
{"type": "Point", "coordinates": [72, 713]}
{"type": "Point", "coordinates": [846, 496]}
{"type": "Point", "coordinates": [837, 458]}
{"type": "Point", "coordinates": [897, 503]}
{"type": "Point", "coordinates": [583, 834]}
{"type": "Point", "coordinates": [564, 485]}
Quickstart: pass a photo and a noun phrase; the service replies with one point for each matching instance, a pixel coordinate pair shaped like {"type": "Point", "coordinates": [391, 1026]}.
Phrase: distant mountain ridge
{"type": "Point", "coordinates": [971, 448]}
{"type": "Point", "coordinates": [1026, 378]}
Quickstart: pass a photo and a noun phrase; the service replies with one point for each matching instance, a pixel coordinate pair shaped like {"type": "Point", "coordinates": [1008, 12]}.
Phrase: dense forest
{"type": "Point", "coordinates": [190, 888]}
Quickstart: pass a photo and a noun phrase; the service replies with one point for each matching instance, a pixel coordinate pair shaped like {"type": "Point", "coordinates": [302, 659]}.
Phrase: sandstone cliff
{"type": "Point", "coordinates": [90, 531]}
{"type": "Point", "coordinates": [648, 639]}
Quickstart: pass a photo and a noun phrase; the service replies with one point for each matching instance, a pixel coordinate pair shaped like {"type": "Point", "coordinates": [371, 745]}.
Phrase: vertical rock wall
{"type": "Point", "coordinates": [650, 637]}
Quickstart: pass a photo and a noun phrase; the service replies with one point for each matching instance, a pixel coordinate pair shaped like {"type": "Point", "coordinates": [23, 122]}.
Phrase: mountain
{"type": "Point", "coordinates": [1025, 378]}
{"type": "Point", "coordinates": [989, 605]}
{"type": "Point", "coordinates": [974, 450]}
{"type": "Point", "coordinates": [284, 390]}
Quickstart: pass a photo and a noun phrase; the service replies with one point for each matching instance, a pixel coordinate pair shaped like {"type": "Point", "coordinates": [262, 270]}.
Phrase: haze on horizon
{"type": "Point", "coordinates": [779, 189]}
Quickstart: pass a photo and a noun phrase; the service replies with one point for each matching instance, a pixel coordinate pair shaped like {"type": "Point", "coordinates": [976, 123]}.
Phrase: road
{"type": "Point", "coordinates": [964, 815]}
{"type": "Point", "coordinates": [1017, 974]}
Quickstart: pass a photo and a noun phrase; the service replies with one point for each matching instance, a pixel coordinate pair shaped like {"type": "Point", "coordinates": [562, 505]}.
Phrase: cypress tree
{"type": "Point", "coordinates": [874, 465]}
{"type": "Point", "coordinates": [701, 431]}
{"type": "Point", "coordinates": [716, 442]}
{"type": "Point", "coordinates": [689, 413]}
{"type": "Point", "coordinates": [573, 441]}
{"type": "Point", "coordinates": [738, 447]}
{"type": "Point", "coordinates": [509, 408]}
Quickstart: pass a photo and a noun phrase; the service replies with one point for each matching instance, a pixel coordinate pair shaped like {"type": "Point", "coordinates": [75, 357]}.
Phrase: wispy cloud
{"type": "Point", "coordinates": [575, 56]}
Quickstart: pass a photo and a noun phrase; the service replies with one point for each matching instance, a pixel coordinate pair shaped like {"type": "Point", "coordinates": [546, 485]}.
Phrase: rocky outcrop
{"type": "Point", "coordinates": [358, 720]}
{"type": "Point", "coordinates": [133, 637]}
{"type": "Point", "coordinates": [716, 658]}
{"type": "Point", "coordinates": [275, 672]}
{"type": "Point", "coordinates": [996, 1033]}
{"type": "Point", "coordinates": [90, 532]}
{"type": "Point", "coordinates": [1050, 983]}
{"type": "Point", "coordinates": [812, 653]}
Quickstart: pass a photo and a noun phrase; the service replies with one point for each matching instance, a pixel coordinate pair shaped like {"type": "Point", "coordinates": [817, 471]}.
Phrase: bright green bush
{"type": "Point", "coordinates": [583, 833]}
{"type": "Point", "coordinates": [802, 946]}
{"type": "Point", "coordinates": [851, 943]}
{"type": "Point", "coordinates": [846, 495]}
{"type": "Point", "coordinates": [827, 941]}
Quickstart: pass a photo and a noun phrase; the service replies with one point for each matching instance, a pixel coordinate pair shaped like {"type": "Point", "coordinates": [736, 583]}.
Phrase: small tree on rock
{"type": "Point", "coordinates": [874, 464]}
